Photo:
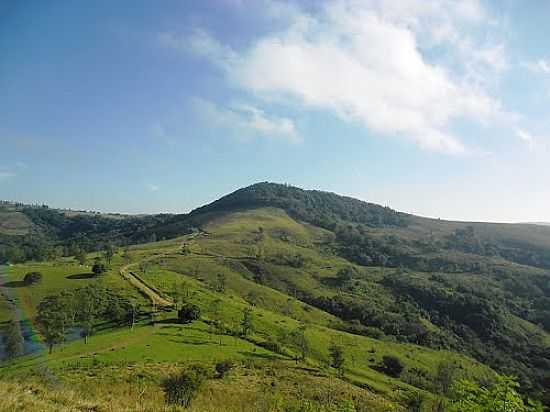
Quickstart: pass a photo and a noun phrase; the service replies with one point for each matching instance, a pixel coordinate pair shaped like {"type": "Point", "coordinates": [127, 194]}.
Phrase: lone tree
{"type": "Point", "coordinates": [392, 366]}
{"type": "Point", "coordinates": [13, 340]}
{"type": "Point", "coordinates": [81, 256]}
{"type": "Point", "coordinates": [51, 319]}
{"type": "Point", "coordinates": [108, 253]}
{"type": "Point", "coordinates": [299, 339]}
{"type": "Point", "coordinates": [220, 283]}
{"type": "Point", "coordinates": [189, 313]}
{"type": "Point", "coordinates": [98, 267]}
{"type": "Point", "coordinates": [337, 359]}
{"type": "Point", "coordinates": [247, 324]}
{"type": "Point", "coordinates": [32, 278]}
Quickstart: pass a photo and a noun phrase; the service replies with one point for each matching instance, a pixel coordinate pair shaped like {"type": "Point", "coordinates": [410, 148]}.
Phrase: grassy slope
{"type": "Point", "coordinates": [154, 351]}
{"type": "Point", "coordinates": [13, 223]}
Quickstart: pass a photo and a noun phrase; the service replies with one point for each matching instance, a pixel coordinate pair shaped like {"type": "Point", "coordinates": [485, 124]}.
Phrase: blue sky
{"type": "Point", "coordinates": [439, 108]}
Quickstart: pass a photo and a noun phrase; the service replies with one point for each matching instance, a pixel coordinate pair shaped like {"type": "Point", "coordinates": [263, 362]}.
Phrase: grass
{"type": "Point", "coordinates": [120, 369]}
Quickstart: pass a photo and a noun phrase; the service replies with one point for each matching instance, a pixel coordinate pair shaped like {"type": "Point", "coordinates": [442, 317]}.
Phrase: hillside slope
{"type": "Point", "coordinates": [372, 280]}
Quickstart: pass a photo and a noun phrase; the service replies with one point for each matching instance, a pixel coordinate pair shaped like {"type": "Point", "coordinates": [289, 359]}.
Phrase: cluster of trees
{"type": "Point", "coordinates": [84, 308]}
{"type": "Point", "coordinates": [323, 209]}
{"type": "Point", "coordinates": [56, 233]}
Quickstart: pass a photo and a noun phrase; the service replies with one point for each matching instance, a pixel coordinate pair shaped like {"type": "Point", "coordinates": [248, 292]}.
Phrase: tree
{"type": "Point", "coordinates": [127, 257]}
{"type": "Point", "coordinates": [247, 325]}
{"type": "Point", "coordinates": [392, 365]}
{"type": "Point", "coordinates": [445, 376]}
{"type": "Point", "coordinates": [13, 340]}
{"type": "Point", "coordinates": [300, 340]}
{"type": "Point", "coordinates": [51, 320]}
{"type": "Point", "coordinates": [345, 276]}
{"type": "Point", "coordinates": [32, 278]}
{"type": "Point", "coordinates": [98, 267]}
{"type": "Point", "coordinates": [189, 313]}
{"type": "Point", "coordinates": [90, 306]}
{"type": "Point", "coordinates": [108, 253]}
{"type": "Point", "coordinates": [503, 396]}
{"type": "Point", "coordinates": [337, 359]}
{"type": "Point", "coordinates": [81, 256]}
{"type": "Point", "coordinates": [220, 283]}
{"type": "Point", "coordinates": [181, 389]}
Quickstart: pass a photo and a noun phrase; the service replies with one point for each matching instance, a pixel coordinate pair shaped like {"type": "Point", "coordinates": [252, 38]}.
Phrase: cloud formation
{"type": "Point", "coordinates": [362, 60]}
{"type": "Point", "coordinates": [248, 119]}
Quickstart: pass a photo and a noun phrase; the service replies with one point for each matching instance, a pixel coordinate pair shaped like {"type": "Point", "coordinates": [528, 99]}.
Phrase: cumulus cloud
{"type": "Point", "coordinates": [247, 118]}
{"type": "Point", "coordinates": [362, 60]}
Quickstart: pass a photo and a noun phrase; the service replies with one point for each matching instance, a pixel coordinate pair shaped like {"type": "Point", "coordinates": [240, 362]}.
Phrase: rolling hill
{"type": "Point", "coordinates": [376, 282]}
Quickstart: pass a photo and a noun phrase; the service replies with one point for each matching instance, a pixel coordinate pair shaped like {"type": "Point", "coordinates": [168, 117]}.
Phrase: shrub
{"type": "Point", "coordinates": [392, 366]}
{"type": "Point", "coordinates": [223, 367]}
{"type": "Point", "coordinates": [188, 313]}
{"type": "Point", "coordinates": [32, 277]}
{"type": "Point", "coordinates": [182, 388]}
{"type": "Point", "coordinates": [98, 268]}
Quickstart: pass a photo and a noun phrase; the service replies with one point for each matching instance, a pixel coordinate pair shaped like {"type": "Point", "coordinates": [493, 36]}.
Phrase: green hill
{"type": "Point", "coordinates": [310, 265]}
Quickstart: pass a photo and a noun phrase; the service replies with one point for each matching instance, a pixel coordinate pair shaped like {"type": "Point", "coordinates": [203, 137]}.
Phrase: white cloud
{"type": "Point", "coordinates": [362, 60]}
{"type": "Point", "coordinates": [246, 118]}
{"type": "Point", "coordinates": [539, 66]}
{"type": "Point", "coordinates": [152, 187]}
{"type": "Point", "coordinates": [526, 137]}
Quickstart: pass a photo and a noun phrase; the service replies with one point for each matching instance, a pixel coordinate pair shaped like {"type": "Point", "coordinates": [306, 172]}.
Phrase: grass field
{"type": "Point", "coordinates": [121, 368]}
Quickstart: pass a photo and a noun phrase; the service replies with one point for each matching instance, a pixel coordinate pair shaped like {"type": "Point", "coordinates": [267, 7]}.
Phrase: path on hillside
{"type": "Point", "coordinates": [135, 281]}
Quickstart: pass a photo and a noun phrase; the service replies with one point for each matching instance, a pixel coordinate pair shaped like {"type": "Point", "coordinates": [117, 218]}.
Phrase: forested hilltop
{"type": "Point", "coordinates": [379, 297]}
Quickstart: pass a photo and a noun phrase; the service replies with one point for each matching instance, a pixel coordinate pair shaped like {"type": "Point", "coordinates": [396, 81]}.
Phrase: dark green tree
{"type": "Point", "coordinates": [337, 358]}
{"type": "Point", "coordinates": [392, 365]}
{"type": "Point", "coordinates": [247, 323]}
{"type": "Point", "coordinates": [52, 320]}
{"type": "Point", "coordinates": [189, 313]}
{"type": "Point", "coordinates": [32, 277]}
{"type": "Point", "coordinates": [98, 267]}
{"type": "Point", "coordinates": [299, 339]}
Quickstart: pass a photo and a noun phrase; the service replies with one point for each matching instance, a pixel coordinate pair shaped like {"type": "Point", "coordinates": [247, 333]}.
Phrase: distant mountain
{"type": "Point", "coordinates": [539, 223]}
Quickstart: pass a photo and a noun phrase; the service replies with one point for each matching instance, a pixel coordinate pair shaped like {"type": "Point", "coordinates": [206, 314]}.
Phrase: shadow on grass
{"type": "Point", "coordinates": [191, 341]}
{"type": "Point", "coordinates": [14, 284]}
{"type": "Point", "coordinates": [268, 356]}
{"type": "Point", "coordinates": [81, 276]}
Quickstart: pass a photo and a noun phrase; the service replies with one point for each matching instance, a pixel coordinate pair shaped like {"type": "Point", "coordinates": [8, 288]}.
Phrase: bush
{"type": "Point", "coordinates": [182, 388]}
{"type": "Point", "coordinates": [392, 366]}
{"type": "Point", "coordinates": [98, 268]}
{"type": "Point", "coordinates": [188, 313]}
{"type": "Point", "coordinates": [223, 367]}
{"type": "Point", "coordinates": [32, 277]}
